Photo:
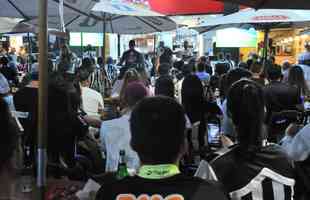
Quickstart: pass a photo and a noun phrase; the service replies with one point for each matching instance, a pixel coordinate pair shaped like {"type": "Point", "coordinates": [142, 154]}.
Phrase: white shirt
{"type": "Point", "coordinates": [92, 100]}
{"type": "Point", "coordinates": [115, 136]}
{"type": "Point", "coordinates": [298, 147]}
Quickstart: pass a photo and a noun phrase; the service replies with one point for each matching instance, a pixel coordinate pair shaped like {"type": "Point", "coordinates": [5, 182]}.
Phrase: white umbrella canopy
{"type": "Point", "coordinates": [28, 9]}
{"type": "Point", "coordinates": [264, 19]}
{"type": "Point", "coordinates": [8, 24]}
{"type": "Point", "coordinates": [259, 18]}
{"type": "Point", "coordinates": [273, 4]}
{"type": "Point", "coordinates": [123, 24]}
{"type": "Point", "coordinates": [121, 18]}
{"type": "Point", "coordinates": [88, 16]}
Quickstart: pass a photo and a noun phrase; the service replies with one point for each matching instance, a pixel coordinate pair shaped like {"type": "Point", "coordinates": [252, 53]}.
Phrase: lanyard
{"type": "Point", "coordinates": [158, 171]}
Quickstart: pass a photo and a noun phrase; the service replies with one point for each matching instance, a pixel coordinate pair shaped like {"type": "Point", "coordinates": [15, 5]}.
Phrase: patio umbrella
{"type": "Point", "coordinates": [8, 24]}
{"type": "Point", "coordinates": [273, 4]}
{"type": "Point", "coordinates": [28, 10]}
{"type": "Point", "coordinates": [117, 17]}
{"type": "Point", "coordinates": [263, 19]}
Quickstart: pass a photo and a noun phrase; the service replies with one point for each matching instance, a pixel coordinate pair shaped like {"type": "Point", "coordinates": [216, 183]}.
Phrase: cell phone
{"type": "Point", "coordinates": [214, 133]}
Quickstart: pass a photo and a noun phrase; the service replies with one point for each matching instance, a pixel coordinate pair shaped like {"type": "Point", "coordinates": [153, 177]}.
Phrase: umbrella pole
{"type": "Point", "coordinates": [104, 32]}
{"type": "Point", "coordinates": [42, 110]}
{"type": "Point", "coordinates": [118, 45]}
{"type": "Point", "coordinates": [29, 52]}
{"type": "Point", "coordinates": [266, 45]}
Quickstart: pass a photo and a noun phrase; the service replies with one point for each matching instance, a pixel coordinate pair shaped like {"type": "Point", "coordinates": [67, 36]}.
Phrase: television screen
{"type": "Point", "coordinates": [234, 37]}
{"type": "Point", "coordinates": [84, 39]}
{"type": "Point", "coordinates": [75, 39]}
{"type": "Point", "coordinates": [93, 39]}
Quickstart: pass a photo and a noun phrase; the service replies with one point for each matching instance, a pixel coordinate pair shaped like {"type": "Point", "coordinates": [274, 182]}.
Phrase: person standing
{"type": "Point", "coordinates": [132, 58]}
{"type": "Point", "coordinates": [164, 53]}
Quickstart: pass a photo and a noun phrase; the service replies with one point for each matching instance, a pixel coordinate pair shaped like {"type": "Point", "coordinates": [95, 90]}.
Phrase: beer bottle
{"type": "Point", "coordinates": [122, 167]}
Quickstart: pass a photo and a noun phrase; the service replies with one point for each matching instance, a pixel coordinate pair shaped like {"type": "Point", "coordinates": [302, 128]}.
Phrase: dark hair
{"type": "Point", "coordinates": [245, 106]}
{"type": "Point", "coordinates": [4, 60]}
{"type": "Point", "coordinates": [187, 69]}
{"type": "Point", "coordinates": [164, 68]}
{"type": "Point", "coordinates": [221, 68]}
{"type": "Point", "coordinates": [201, 67]}
{"type": "Point", "coordinates": [296, 77]}
{"type": "Point", "coordinates": [179, 65]}
{"type": "Point", "coordinates": [83, 75]}
{"type": "Point", "coordinates": [87, 63]}
{"type": "Point", "coordinates": [203, 59]}
{"type": "Point", "coordinates": [274, 72]}
{"type": "Point", "coordinates": [192, 97]}
{"type": "Point", "coordinates": [249, 63]}
{"type": "Point", "coordinates": [286, 65]}
{"type": "Point", "coordinates": [164, 86]}
{"type": "Point", "coordinates": [132, 43]}
{"type": "Point", "coordinates": [256, 67]}
{"type": "Point", "coordinates": [221, 56]}
{"type": "Point", "coordinates": [158, 130]}
{"type": "Point", "coordinates": [235, 75]}
{"type": "Point", "coordinates": [100, 61]}
{"type": "Point", "coordinates": [9, 132]}
{"type": "Point", "coordinates": [228, 56]}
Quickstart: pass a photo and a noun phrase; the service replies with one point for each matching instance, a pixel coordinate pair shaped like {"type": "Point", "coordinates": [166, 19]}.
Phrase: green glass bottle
{"type": "Point", "coordinates": [122, 171]}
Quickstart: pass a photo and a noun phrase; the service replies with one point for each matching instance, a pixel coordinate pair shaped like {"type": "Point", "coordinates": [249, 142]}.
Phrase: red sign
{"type": "Point", "coordinates": [270, 18]}
{"type": "Point", "coordinates": [186, 7]}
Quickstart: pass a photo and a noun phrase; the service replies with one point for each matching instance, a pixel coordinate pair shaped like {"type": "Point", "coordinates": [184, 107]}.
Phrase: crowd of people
{"type": "Point", "coordinates": [165, 124]}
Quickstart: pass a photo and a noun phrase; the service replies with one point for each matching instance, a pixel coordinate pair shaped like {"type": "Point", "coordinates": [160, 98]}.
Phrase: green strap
{"type": "Point", "coordinates": [158, 171]}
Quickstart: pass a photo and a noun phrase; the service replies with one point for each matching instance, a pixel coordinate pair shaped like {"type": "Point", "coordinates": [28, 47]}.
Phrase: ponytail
{"type": "Point", "coordinates": [246, 106]}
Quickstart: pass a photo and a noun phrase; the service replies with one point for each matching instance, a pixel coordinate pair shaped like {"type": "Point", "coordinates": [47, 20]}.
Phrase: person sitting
{"type": "Point", "coordinates": [115, 134]}
{"type": "Point", "coordinates": [5, 92]}
{"type": "Point", "coordinates": [296, 78]}
{"type": "Point", "coordinates": [249, 168]}
{"type": "Point", "coordinates": [160, 148]}
{"type": "Point", "coordinates": [9, 134]}
{"type": "Point", "coordinates": [202, 74]}
{"type": "Point", "coordinates": [280, 96]}
{"type": "Point", "coordinates": [257, 70]}
{"type": "Point", "coordinates": [91, 99]}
